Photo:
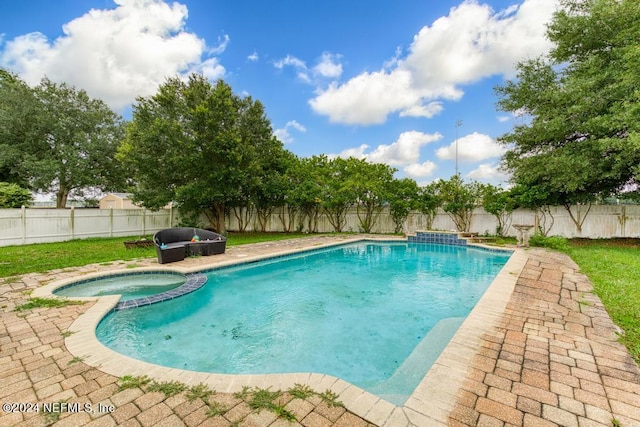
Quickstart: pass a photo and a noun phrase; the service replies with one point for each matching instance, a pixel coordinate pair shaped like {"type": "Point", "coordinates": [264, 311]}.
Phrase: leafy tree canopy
{"type": "Point", "coordinates": [403, 198]}
{"type": "Point", "coordinates": [199, 145]}
{"type": "Point", "coordinates": [55, 138]}
{"type": "Point", "coordinates": [458, 199]}
{"type": "Point", "coordinates": [580, 134]}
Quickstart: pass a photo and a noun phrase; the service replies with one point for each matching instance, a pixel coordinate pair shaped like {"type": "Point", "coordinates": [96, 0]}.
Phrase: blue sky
{"type": "Point", "coordinates": [376, 79]}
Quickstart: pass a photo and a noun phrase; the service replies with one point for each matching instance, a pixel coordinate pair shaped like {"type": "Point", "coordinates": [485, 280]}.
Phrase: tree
{"type": "Point", "coordinates": [306, 190]}
{"type": "Point", "coordinates": [262, 153]}
{"type": "Point", "coordinates": [403, 198]}
{"type": "Point", "coordinates": [500, 204]}
{"type": "Point", "coordinates": [459, 199]}
{"type": "Point", "coordinates": [540, 201]}
{"type": "Point", "coordinates": [372, 187]}
{"type": "Point", "coordinates": [288, 210]}
{"type": "Point", "coordinates": [199, 145]}
{"type": "Point", "coordinates": [428, 202]}
{"type": "Point", "coordinates": [581, 135]}
{"type": "Point", "coordinates": [270, 191]}
{"type": "Point", "coordinates": [14, 196]}
{"type": "Point", "coordinates": [338, 190]}
{"type": "Point", "coordinates": [18, 107]}
{"type": "Point", "coordinates": [58, 139]}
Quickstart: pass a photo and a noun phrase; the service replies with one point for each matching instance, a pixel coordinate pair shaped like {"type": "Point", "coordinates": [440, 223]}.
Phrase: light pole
{"type": "Point", "coordinates": [458, 124]}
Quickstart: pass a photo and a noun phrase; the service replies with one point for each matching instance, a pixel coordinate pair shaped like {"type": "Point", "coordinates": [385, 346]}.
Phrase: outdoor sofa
{"type": "Point", "coordinates": [174, 244]}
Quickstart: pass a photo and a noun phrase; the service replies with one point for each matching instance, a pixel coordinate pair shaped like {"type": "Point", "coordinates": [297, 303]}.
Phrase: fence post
{"type": "Point", "coordinates": [72, 218]}
{"type": "Point", "coordinates": [23, 222]}
{"type": "Point", "coordinates": [144, 225]}
{"type": "Point", "coordinates": [111, 222]}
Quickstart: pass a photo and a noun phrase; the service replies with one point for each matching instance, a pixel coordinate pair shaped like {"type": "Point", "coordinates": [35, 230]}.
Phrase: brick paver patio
{"type": "Point", "coordinates": [549, 358]}
{"type": "Point", "coordinates": [553, 359]}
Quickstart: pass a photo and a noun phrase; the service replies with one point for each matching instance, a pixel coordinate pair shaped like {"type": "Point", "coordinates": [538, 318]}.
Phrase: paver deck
{"type": "Point", "coordinates": [538, 350]}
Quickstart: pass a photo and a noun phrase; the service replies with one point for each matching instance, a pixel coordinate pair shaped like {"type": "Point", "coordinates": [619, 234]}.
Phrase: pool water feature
{"type": "Point", "coordinates": [131, 286]}
{"type": "Point", "coordinates": [374, 314]}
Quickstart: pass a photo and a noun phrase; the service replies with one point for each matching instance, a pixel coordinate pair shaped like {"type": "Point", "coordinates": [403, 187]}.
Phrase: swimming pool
{"type": "Point", "coordinates": [130, 286]}
{"type": "Point", "coordinates": [374, 314]}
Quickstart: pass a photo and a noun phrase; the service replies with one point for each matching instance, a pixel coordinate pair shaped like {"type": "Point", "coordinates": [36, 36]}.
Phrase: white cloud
{"type": "Point", "coordinates": [284, 135]}
{"type": "Point", "coordinates": [253, 57]}
{"type": "Point", "coordinates": [403, 152]}
{"type": "Point", "coordinates": [428, 111]}
{"type": "Point", "coordinates": [357, 152]}
{"type": "Point", "coordinates": [116, 54]}
{"type": "Point", "coordinates": [471, 43]}
{"type": "Point", "coordinates": [223, 42]}
{"type": "Point", "coordinates": [297, 126]}
{"type": "Point", "coordinates": [290, 60]}
{"type": "Point", "coordinates": [328, 66]}
{"type": "Point", "coordinates": [488, 172]}
{"type": "Point", "coordinates": [209, 68]}
{"type": "Point", "coordinates": [367, 98]}
{"type": "Point", "coordinates": [471, 148]}
{"type": "Point", "coordinates": [474, 42]}
{"type": "Point", "coordinates": [393, 62]}
{"type": "Point", "coordinates": [298, 64]}
{"type": "Point", "coordinates": [420, 170]}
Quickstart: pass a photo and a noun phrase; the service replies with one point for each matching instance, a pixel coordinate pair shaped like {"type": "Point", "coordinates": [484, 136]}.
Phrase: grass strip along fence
{"type": "Point", "coordinates": [41, 257]}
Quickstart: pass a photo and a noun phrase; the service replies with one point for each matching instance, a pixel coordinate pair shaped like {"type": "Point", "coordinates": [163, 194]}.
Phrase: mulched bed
{"type": "Point", "coordinates": [616, 242]}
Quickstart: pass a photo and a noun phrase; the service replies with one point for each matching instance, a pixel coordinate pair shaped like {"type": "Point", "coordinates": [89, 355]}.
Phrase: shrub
{"type": "Point", "coordinates": [14, 196]}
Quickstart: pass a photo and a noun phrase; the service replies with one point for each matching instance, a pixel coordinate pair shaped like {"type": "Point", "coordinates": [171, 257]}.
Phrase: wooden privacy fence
{"type": "Point", "coordinates": [22, 226]}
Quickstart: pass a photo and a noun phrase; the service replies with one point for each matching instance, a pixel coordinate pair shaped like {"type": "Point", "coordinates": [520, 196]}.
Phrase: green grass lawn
{"type": "Point", "coordinates": [16, 260]}
{"type": "Point", "coordinates": [613, 266]}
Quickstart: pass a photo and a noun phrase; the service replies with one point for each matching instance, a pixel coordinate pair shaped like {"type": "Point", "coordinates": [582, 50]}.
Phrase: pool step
{"type": "Point", "coordinates": [409, 374]}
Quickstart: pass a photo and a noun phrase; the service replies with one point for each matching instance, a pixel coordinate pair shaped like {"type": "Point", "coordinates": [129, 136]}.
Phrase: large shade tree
{"type": "Point", "coordinates": [199, 145]}
{"type": "Point", "coordinates": [579, 137]}
{"type": "Point", "coordinates": [18, 106]}
{"type": "Point", "coordinates": [55, 138]}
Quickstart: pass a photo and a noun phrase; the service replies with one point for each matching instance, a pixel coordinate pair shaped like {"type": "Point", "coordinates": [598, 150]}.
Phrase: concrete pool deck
{"type": "Point", "coordinates": [539, 349]}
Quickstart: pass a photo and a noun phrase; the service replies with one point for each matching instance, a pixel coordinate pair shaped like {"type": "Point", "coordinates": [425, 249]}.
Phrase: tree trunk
{"type": "Point", "coordinates": [263, 215]}
{"type": "Point", "coordinates": [287, 217]}
{"type": "Point", "coordinates": [61, 197]}
{"type": "Point", "coordinates": [243, 215]}
{"type": "Point", "coordinates": [219, 219]}
{"type": "Point", "coordinates": [577, 219]}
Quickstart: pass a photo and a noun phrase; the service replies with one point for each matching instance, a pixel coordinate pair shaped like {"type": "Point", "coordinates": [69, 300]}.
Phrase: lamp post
{"type": "Point", "coordinates": [458, 124]}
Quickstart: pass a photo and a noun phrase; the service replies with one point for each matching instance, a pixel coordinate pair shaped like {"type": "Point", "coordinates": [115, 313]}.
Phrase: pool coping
{"type": "Point", "coordinates": [429, 404]}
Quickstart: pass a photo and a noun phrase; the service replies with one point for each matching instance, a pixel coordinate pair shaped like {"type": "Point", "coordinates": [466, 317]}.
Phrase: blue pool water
{"type": "Point", "coordinates": [130, 286]}
{"type": "Point", "coordinates": [374, 314]}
